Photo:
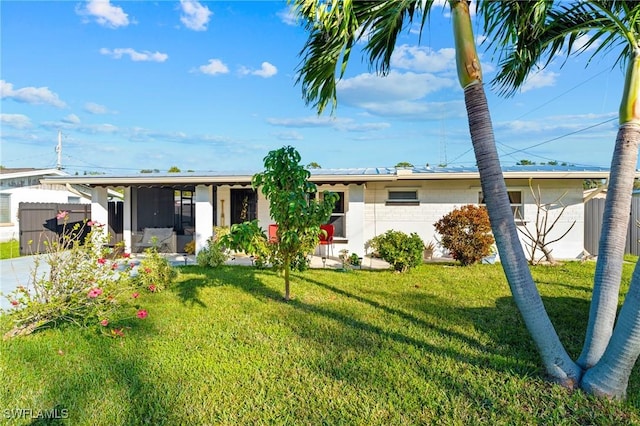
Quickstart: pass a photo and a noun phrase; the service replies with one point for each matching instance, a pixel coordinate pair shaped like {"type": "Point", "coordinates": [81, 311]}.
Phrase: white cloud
{"type": "Point", "coordinates": [288, 136]}
{"type": "Point", "coordinates": [343, 124]}
{"type": "Point", "coordinates": [420, 110]}
{"type": "Point", "coordinates": [94, 108]}
{"type": "Point", "coordinates": [542, 78]}
{"type": "Point", "coordinates": [424, 59]}
{"type": "Point", "coordinates": [30, 95]}
{"type": "Point", "coordinates": [195, 16]}
{"type": "Point", "coordinates": [266, 70]}
{"type": "Point", "coordinates": [104, 13]}
{"type": "Point", "coordinates": [581, 43]}
{"type": "Point", "coordinates": [288, 16]}
{"type": "Point", "coordinates": [71, 119]}
{"type": "Point", "coordinates": [17, 121]}
{"type": "Point", "coordinates": [135, 55]}
{"type": "Point", "coordinates": [368, 88]}
{"type": "Point", "coordinates": [557, 123]}
{"type": "Point", "coordinates": [215, 66]}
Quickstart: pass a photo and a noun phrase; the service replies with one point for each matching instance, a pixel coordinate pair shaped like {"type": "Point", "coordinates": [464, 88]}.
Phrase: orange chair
{"type": "Point", "coordinates": [326, 238]}
{"type": "Point", "coordinates": [273, 233]}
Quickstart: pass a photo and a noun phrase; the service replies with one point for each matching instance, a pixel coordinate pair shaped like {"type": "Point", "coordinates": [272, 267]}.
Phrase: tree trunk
{"type": "Point", "coordinates": [615, 221]}
{"type": "Point", "coordinates": [287, 268]}
{"type": "Point", "coordinates": [610, 376]}
{"type": "Point", "coordinates": [555, 358]}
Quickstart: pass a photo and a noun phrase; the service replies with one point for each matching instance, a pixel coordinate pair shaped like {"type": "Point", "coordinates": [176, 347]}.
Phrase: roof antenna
{"type": "Point", "coordinates": [59, 151]}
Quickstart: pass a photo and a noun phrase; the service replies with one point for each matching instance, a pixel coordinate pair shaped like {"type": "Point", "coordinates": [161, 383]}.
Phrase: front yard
{"type": "Point", "coordinates": [440, 344]}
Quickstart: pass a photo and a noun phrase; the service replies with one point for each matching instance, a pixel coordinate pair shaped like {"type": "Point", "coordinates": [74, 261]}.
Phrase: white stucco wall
{"type": "Point", "coordinates": [437, 198]}
{"type": "Point", "coordinates": [367, 215]}
{"type": "Point", "coordinates": [37, 194]}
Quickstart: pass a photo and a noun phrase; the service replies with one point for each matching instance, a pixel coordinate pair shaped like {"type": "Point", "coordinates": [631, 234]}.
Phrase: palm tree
{"type": "Point", "coordinates": [529, 35]}
{"type": "Point", "coordinates": [334, 27]}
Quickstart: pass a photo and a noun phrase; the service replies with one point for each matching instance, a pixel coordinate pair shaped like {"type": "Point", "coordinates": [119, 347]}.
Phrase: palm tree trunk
{"type": "Point", "coordinates": [610, 376]}
{"type": "Point", "coordinates": [604, 302]}
{"type": "Point", "coordinates": [555, 358]}
{"type": "Point", "coordinates": [615, 221]}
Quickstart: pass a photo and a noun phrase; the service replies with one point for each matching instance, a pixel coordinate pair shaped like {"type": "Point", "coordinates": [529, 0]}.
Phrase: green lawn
{"type": "Point", "coordinates": [442, 344]}
{"type": "Point", "coordinates": [9, 249]}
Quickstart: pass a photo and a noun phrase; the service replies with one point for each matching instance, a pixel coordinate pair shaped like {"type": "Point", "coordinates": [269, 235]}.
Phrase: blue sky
{"type": "Point", "coordinates": [210, 86]}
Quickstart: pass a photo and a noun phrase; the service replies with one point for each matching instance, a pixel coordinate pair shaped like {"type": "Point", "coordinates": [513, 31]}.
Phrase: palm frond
{"type": "Point", "coordinates": [334, 28]}
{"type": "Point", "coordinates": [529, 35]}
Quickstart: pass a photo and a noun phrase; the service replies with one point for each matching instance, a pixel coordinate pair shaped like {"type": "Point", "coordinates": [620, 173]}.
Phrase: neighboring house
{"type": "Point", "coordinates": [372, 201]}
{"type": "Point", "coordinates": [22, 186]}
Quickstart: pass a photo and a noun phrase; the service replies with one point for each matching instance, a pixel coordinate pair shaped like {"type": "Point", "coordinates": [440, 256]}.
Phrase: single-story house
{"type": "Point", "coordinates": [372, 201]}
{"type": "Point", "coordinates": [22, 185]}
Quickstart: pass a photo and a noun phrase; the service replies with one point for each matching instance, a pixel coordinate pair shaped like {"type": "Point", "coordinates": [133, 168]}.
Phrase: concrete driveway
{"type": "Point", "coordinates": [15, 272]}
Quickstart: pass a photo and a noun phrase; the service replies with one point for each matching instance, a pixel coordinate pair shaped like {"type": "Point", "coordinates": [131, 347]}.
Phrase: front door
{"type": "Point", "coordinates": [244, 205]}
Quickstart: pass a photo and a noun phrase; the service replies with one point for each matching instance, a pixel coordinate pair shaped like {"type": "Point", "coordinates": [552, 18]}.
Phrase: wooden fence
{"type": "Point", "coordinates": [38, 223]}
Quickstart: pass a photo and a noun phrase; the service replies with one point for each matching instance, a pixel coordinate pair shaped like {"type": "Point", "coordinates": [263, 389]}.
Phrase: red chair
{"type": "Point", "coordinates": [326, 238]}
{"type": "Point", "coordinates": [273, 233]}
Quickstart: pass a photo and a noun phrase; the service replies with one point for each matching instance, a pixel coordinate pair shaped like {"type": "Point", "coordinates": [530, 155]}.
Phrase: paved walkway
{"type": "Point", "coordinates": [17, 271]}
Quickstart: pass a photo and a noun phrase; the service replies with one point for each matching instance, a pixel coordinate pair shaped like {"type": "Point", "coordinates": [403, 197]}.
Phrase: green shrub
{"type": "Point", "coordinates": [155, 273]}
{"type": "Point", "coordinates": [400, 250]}
{"type": "Point", "coordinates": [466, 233]}
{"type": "Point", "coordinates": [213, 255]}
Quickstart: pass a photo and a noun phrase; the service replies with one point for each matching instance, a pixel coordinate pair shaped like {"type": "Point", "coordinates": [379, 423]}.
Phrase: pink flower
{"type": "Point", "coordinates": [15, 302]}
{"type": "Point", "coordinates": [62, 215]}
{"type": "Point", "coordinates": [147, 270]}
{"type": "Point", "coordinates": [91, 223]}
{"type": "Point", "coordinates": [152, 288]}
{"type": "Point", "coordinates": [104, 322]}
{"type": "Point", "coordinates": [142, 314]}
{"type": "Point", "coordinates": [135, 295]}
{"type": "Point", "coordinates": [114, 266]}
{"type": "Point", "coordinates": [102, 261]}
{"type": "Point", "coordinates": [132, 265]}
{"type": "Point", "coordinates": [94, 292]}
{"type": "Point", "coordinates": [126, 255]}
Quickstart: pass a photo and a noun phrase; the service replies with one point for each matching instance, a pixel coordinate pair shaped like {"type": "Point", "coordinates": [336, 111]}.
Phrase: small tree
{"type": "Point", "coordinates": [466, 233]}
{"type": "Point", "coordinates": [293, 207]}
{"type": "Point", "coordinates": [536, 239]}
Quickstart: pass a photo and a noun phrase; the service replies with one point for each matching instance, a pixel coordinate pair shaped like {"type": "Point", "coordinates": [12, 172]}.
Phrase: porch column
{"type": "Point", "coordinates": [100, 207]}
{"type": "Point", "coordinates": [126, 220]}
{"type": "Point", "coordinates": [355, 219]}
{"type": "Point", "coordinates": [204, 215]}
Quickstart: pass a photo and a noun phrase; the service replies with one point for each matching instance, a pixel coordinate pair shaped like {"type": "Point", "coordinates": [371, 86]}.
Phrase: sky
{"type": "Point", "coordinates": [211, 86]}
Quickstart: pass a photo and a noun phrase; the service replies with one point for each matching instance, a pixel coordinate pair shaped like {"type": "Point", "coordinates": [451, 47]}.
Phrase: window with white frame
{"type": "Point", "coordinates": [402, 196]}
{"type": "Point", "coordinates": [5, 208]}
{"type": "Point", "coordinates": [338, 216]}
{"type": "Point", "coordinates": [517, 204]}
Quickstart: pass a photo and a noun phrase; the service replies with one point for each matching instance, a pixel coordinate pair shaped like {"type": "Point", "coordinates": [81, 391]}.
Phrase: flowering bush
{"type": "Point", "coordinates": [83, 287]}
{"type": "Point", "coordinates": [154, 273]}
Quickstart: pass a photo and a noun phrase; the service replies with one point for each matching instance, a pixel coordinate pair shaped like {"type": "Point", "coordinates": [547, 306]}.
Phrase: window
{"type": "Point", "coordinates": [5, 208]}
{"type": "Point", "coordinates": [337, 218]}
{"type": "Point", "coordinates": [517, 204]}
{"type": "Point", "coordinates": [402, 197]}
{"type": "Point", "coordinates": [73, 200]}
{"type": "Point", "coordinates": [184, 206]}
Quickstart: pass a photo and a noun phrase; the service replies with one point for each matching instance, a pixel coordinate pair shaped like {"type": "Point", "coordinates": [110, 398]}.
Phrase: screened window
{"type": "Point", "coordinates": [5, 208]}
{"type": "Point", "coordinates": [516, 201]}
{"type": "Point", "coordinates": [337, 218]}
{"type": "Point", "coordinates": [402, 197]}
